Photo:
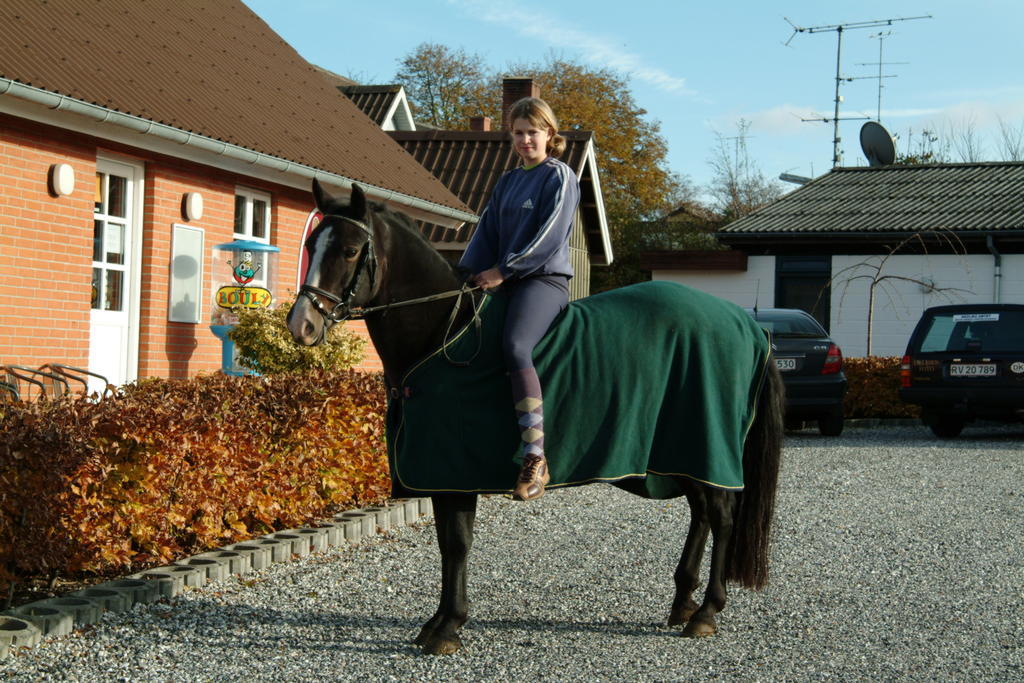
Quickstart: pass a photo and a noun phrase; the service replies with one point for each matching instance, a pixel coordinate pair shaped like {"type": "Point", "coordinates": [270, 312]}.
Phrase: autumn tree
{"type": "Point", "coordinates": [445, 87]}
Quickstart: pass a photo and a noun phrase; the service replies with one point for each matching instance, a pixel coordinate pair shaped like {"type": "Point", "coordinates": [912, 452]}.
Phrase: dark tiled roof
{"type": "Point", "coordinates": [212, 68]}
{"type": "Point", "coordinates": [900, 199]}
{"type": "Point", "coordinates": [470, 163]}
{"type": "Point", "coordinates": [374, 100]}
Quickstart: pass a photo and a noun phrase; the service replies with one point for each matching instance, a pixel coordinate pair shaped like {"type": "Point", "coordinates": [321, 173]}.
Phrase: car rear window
{"type": "Point", "coordinates": [974, 331]}
{"type": "Point", "coordinates": [789, 325]}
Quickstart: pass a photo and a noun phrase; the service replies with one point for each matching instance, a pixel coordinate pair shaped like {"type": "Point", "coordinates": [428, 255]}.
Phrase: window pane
{"type": "Point", "coordinates": [240, 215]}
{"type": "Point", "coordinates": [97, 274]}
{"type": "Point", "coordinates": [117, 196]}
{"type": "Point", "coordinates": [97, 240]}
{"type": "Point", "coordinates": [114, 247]}
{"type": "Point", "coordinates": [113, 297]}
{"type": "Point", "coordinates": [98, 206]}
{"type": "Point", "coordinates": [259, 218]}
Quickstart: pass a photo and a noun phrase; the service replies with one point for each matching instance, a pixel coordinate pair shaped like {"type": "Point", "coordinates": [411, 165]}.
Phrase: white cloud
{"type": "Point", "coordinates": [547, 29]}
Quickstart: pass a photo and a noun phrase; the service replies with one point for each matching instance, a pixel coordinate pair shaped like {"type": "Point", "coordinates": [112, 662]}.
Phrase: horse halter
{"type": "Point", "coordinates": [342, 309]}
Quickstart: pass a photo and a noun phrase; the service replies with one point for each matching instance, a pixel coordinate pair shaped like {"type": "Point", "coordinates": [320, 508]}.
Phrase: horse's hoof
{"type": "Point", "coordinates": [442, 646]}
{"type": "Point", "coordinates": [699, 629]}
{"type": "Point", "coordinates": [424, 636]}
{"type": "Point", "coordinates": [680, 615]}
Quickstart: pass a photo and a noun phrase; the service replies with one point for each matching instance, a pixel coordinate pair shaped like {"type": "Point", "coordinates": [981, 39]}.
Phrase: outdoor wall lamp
{"type": "Point", "coordinates": [192, 206]}
{"type": "Point", "coordinates": [61, 180]}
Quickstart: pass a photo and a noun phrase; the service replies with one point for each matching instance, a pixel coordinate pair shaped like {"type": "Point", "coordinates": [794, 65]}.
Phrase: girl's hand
{"type": "Point", "coordinates": [489, 279]}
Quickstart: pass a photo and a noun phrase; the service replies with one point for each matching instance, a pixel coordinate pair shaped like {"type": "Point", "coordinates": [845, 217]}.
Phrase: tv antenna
{"type": "Point", "coordinates": [881, 35]}
{"type": "Point", "coordinates": [839, 28]}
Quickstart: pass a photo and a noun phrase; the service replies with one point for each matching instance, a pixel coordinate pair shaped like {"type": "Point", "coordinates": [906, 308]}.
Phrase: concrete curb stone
{"type": "Point", "coordinates": [260, 556]}
{"type": "Point", "coordinates": [84, 611]}
{"type": "Point", "coordinates": [141, 591]}
{"type": "Point", "coordinates": [280, 550]}
{"type": "Point", "coordinates": [167, 585]}
{"type": "Point", "coordinates": [317, 538]}
{"type": "Point", "coordinates": [17, 632]}
{"type": "Point", "coordinates": [49, 619]}
{"type": "Point", "coordinates": [112, 600]}
{"type": "Point", "coordinates": [237, 563]}
{"type": "Point", "coordinates": [215, 568]}
{"type": "Point", "coordinates": [86, 606]}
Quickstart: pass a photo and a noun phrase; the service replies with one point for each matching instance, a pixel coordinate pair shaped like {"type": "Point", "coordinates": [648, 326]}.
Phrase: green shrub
{"type": "Point", "coordinates": [168, 468]}
{"type": "Point", "coordinates": [874, 388]}
{"type": "Point", "coordinates": [265, 344]}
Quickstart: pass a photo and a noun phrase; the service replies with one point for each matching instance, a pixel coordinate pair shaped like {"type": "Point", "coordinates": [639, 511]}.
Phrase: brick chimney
{"type": "Point", "coordinates": [512, 90]}
{"type": "Point", "coordinates": [480, 123]}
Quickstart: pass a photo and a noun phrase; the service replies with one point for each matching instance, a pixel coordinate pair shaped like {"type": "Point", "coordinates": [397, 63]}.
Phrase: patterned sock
{"type": "Point", "coordinates": [529, 405]}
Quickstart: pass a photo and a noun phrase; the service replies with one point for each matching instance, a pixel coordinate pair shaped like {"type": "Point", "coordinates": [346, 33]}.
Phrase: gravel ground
{"type": "Point", "coordinates": [897, 556]}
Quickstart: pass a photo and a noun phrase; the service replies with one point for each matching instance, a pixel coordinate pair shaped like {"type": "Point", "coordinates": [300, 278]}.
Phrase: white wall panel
{"type": "Point", "coordinates": [758, 282]}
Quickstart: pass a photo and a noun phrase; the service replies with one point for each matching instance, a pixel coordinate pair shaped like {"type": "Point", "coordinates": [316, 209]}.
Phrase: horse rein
{"type": "Point", "coordinates": [343, 310]}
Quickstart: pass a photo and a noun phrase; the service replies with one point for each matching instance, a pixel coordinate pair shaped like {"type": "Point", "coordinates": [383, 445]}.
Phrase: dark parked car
{"type": "Point", "coordinates": [966, 362]}
{"type": "Point", "coordinates": [811, 365]}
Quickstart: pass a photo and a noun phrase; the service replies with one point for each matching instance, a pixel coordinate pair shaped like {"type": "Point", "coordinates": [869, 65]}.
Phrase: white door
{"type": "Point", "coordinates": [112, 338]}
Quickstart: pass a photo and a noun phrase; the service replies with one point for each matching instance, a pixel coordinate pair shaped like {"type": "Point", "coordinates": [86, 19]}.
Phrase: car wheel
{"type": "Point", "coordinates": [831, 425]}
{"type": "Point", "coordinates": [946, 427]}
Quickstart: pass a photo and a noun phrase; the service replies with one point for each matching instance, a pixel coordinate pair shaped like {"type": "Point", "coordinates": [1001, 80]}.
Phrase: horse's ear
{"type": "Point", "coordinates": [320, 196]}
{"type": "Point", "coordinates": [357, 202]}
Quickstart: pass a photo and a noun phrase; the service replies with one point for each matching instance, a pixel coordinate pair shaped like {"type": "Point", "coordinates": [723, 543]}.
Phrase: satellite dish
{"type": "Point", "coordinates": [877, 144]}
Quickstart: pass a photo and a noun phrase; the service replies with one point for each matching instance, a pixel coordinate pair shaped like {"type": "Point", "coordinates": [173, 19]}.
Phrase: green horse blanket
{"type": "Point", "coordinates": [643, 385]}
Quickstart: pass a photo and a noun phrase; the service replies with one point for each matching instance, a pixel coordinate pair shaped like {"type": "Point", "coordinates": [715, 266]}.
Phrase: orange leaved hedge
{"type": "Point", "coordinates": [168, 468]}
{"type": "Point", "coordinates": [874, 384]}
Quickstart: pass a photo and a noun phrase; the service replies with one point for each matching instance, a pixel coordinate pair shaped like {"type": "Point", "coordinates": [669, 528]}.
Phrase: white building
{"type": "Point", "coordinates": [919, 236]}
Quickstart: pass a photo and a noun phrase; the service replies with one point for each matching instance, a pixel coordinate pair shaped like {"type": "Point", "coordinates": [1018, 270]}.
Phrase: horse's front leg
{"type": "Point", "coordinates": [454, 515]}
{"type": "Point", "coordinates": [720, 507]}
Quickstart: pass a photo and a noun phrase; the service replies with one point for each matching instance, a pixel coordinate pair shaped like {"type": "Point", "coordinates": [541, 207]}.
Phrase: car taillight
{"type": "Point", "coordinates": [905, 372]}
{"type": "Point", "coordinates": [833, 361]}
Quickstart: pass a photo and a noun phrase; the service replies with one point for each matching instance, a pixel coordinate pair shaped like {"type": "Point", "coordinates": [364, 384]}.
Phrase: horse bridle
{"type": "Point", "coordinates": [367, 262]}
{"type": "Point", "coordinates": [343, 310]}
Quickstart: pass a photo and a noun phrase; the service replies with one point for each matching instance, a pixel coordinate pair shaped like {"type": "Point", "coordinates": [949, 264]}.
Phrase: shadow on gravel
{"type": "Point", "coordinates": [242, 629]}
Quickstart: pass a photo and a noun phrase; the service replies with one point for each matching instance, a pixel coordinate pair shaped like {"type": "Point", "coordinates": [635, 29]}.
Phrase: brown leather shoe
{"type": "Point", "coordinates": [533, 477]}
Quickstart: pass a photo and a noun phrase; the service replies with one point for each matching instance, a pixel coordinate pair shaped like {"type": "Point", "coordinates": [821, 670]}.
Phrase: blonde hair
{"type": "Point", "coordinates": [539, 114]}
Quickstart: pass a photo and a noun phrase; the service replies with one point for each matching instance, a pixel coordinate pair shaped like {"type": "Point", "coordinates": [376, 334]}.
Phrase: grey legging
{"type": "Point", "coordinates": [535, 303]}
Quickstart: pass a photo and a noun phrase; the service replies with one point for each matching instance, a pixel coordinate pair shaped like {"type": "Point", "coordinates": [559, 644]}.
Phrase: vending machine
{"type": "Point", "coordinates": [244, 275]}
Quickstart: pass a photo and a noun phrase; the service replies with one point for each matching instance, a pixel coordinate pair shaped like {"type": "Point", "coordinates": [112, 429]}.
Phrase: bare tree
{"type": "Point", "coordinates": [1011, 140]}
{"type": "Point", "coordinates": [878, 279]}
{"type": "Point", "coordinates": [738, 186]}
{"type": "Point", "coordinates": [963, 136]}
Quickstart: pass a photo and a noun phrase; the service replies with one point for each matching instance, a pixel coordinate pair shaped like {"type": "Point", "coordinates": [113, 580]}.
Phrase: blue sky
{"type": "Point", "coordinates": [700, 67]}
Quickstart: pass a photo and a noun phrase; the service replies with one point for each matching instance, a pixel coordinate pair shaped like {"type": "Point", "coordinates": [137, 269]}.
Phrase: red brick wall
{"type": "Point", "coordinates": [46, 246]}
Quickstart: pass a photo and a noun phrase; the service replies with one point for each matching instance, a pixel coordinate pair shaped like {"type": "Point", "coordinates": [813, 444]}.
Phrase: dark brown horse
{"type": "Point", "coordinates": [364, 259]}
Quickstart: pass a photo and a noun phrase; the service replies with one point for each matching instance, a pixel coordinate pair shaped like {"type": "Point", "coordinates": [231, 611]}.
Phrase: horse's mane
{"type": "Point", "coordinates": [409, 229]}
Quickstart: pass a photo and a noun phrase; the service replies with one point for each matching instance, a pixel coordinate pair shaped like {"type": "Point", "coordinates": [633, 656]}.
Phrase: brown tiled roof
{"type": "Point", "coordinates": [374, 100]}
{"type": "Point", "coordinates": [470, 163]}
{"type": "Point", "coordinates": [896, 199]}
{"type": "Point", "coordinates": [212, 68]}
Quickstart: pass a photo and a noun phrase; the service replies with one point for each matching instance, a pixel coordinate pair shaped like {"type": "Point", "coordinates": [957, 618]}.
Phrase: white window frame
{"type": "Point", "coordinates": [251, 196]}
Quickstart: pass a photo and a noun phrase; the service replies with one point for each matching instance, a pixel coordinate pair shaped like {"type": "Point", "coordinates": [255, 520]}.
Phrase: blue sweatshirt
{"type": "Point", "coordinates": [524, 230]}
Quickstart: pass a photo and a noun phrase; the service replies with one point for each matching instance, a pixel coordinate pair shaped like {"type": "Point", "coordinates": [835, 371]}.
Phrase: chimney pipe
{"type": "Point", "coordinates": [514, 89]}
{"type": "Point", "coordinates": [480, 123]}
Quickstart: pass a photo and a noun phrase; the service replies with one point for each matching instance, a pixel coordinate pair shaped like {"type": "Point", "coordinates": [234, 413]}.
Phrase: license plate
{"type": "Point", "coordinates": [973, 370]}
{"type": "Point", "coordinates": [784, 364]}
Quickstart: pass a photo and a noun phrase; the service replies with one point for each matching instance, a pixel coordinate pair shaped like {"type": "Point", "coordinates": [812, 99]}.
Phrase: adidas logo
{"type": "Point", "coordinates": [528, 204]}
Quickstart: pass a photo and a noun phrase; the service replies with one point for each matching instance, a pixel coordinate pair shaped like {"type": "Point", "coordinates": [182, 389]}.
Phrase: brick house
{"type": "Point", "coordinates": [136, 134]}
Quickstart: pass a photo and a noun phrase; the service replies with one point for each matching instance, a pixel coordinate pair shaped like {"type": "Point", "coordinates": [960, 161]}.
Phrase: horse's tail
{"type": "Point", "coordinates": [748, 548]}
